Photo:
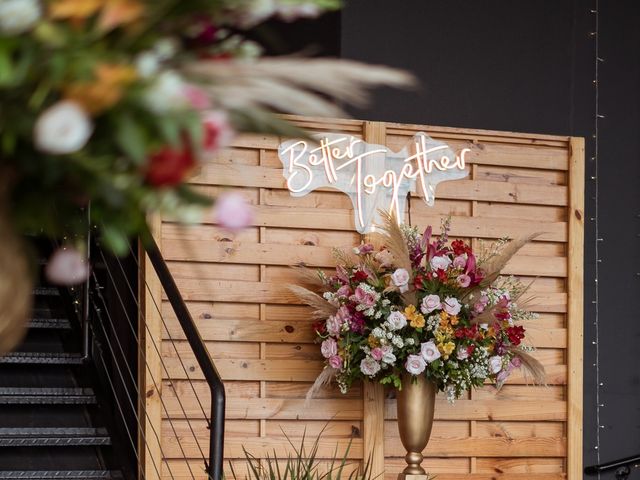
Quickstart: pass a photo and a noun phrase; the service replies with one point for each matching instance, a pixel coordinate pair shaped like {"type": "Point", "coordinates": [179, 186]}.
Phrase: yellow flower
{"type": "Point", "coordinates": [446, 349]}
{"type": "Point", "coordinates": [454, 319]}
{"type": "Point", "coordinates": [417, 321]}
{"type": "Point", "coordinates": [74, 9]}
{"type": "Point", "coordinates": [105, 90]}
{"type": "Point", "coordinates": [373, 341]}
{"type": "Point", "coordinates": [120, 12]}
{"type": "Point", "coordinates": [113, 12]}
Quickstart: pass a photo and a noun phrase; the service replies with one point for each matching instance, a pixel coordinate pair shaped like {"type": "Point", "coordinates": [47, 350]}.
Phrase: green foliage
{"type": "Point", "coordinates": [303, 464]}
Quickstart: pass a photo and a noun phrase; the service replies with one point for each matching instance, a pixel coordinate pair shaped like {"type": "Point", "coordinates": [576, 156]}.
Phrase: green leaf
{"type": "Point", "coordinates": [169, 129]}
{"type": "Point", "coordinates": [131, 138]}
{"type": "Point", "coordinates": [115, 240]}
{"type": "Point", "coordinates": [6, 66]}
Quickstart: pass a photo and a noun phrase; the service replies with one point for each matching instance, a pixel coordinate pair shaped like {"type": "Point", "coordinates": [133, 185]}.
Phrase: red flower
{"type": "Point", "coordinates": [169, 166]}
{"type": "Point", "coordinates": [417, 281]}
{"type": "Point", "coordinates": [515, 334]}
{"type": "Point", "coordinates": [320, 327]}
{"type": "Point", "coordinates": [360, 276]}
{"type": "Point", "coordinates": [471, 348]}
{"type": "Point", "coordinates": [459, 247]}
{"type": "Point", "coordinates": [442, 275]}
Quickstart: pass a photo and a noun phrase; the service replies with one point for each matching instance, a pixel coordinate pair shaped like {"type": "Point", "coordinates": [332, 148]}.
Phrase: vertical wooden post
{"type": "Point", "coordinates": [150, 363]}
{"type": "Point", "coordinates": [373, 407]}
{"type": "Point", "coordinates": [575, 310]}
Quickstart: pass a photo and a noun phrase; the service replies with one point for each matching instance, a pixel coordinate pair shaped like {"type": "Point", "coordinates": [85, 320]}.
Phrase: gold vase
{"type": "Point", "coordinates": [415, 403]}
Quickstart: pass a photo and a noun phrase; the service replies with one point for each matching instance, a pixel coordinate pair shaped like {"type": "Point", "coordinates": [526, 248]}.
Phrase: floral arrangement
{"type": "Point", "coordinates": [112, 104]}
{"type": "Point", "coordinates": [421, 305]}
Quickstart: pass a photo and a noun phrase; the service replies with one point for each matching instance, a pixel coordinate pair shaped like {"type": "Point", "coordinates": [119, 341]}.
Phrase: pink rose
{"type": "Point", "coordinates": [364, 298]}
{"type": "Point", "coordinates": [440, 263]}
{"type": "Point", "coordinates": [232, 211]}
{"type": "Point", "coordinates": [400, 279]}
{"type": "Point", "coordinates": [429, 351]}
{"type": "Point", "coordinates": [369, 367]}
{"type": "Point", "coordinates": [364, 249]}
{"type": "Point", "coordinates": [415, 364]}
{"type": "Point", "coordinates": [459, 261]}
{"type": "Point", "coordinates": [329, 348]}
{"type": "Point", "coordinates": [464, 280]}
{"type": "Point", "coordinates": [377, 353]}
{"type": "Point", "coordinates": [451, 305]}
{"type": "Point", "coordinates": [516, 362]}
{"type": "Point", "coordinates": [385, 258]}
{"type": "Point", "coordinates": [67, 267]}
{"type": "Point", "coordinates": [335, 361]}
{"type": "Point", "coordinates": [430, 303]}
{"type": "Point", "coordinates": [344, 291]}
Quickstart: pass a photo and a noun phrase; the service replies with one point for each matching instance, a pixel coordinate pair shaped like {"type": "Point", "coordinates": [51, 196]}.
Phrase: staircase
{"type": "Point", "coordinates": [52, 422]}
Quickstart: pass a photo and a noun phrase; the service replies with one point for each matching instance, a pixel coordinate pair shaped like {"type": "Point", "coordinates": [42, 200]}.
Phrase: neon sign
{"type": "Point", "coordinates": [373, 176]}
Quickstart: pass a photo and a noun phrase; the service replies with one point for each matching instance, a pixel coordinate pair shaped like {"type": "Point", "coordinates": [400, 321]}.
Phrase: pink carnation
{"type": "Point", "coordinates": [232, 211]}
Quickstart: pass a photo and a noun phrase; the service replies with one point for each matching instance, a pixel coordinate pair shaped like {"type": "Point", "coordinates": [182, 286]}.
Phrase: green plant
{"type": "Point", "coordinates": [303, 465]}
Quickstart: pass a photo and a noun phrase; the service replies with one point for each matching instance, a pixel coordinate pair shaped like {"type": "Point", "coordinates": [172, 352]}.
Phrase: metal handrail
{"type": "Point", "coordinates": [622, 466]}
{"type": "Point", "coordinates": [211, 375]}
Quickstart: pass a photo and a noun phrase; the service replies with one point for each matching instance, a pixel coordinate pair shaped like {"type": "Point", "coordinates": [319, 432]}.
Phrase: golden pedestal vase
{"type": "Point", "coordinates": [416, 404]}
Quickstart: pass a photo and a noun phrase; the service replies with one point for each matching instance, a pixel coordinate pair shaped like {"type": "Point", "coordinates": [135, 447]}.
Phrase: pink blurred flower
{"type": "Point", "coordinates": [218, 132]}
{"type": "Point", "coordinates": [329, 348]}
{"type": "Point", "coordinates": [365, 299]}
{"type": "Point", "coordinates": [67, 267]}
{"type": "Point", "coordinates": [232, 211]}
{"type": "Point", "coordinates": [464, 280]}
{"type": "Point", "coordinates": [459, 262]}
{"type": "Point", "coordinates": [196, 97]}
{"type": "Point", "coordinates": [343, 291]}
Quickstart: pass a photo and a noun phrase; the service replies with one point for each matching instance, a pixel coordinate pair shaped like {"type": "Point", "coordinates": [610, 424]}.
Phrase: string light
{"type": "Point", "coordinates": [597, 117]}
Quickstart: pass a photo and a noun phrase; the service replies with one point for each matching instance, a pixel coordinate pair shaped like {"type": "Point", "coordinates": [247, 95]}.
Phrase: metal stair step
{"type": "Point", "coordinates": [52, 323]}
{"type": "Point", "coordinates": [39, 358]}
{"type": "Point", "coordinates": [53, 437]}
{"type": "Point", "coordinates": [59, 475]}
{"type": "Point", "coordinates": [46, 396]}
{"type": "Point", "coordinates": [47, 291]}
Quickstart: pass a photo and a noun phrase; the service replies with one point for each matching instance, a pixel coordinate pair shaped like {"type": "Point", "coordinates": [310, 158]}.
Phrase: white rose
{"type": "Point", "coordinates": [495, 364]}
{"type": "Point", "coordinates": [18, 16]}
{"type": "Point", "coordinates": [166, 93]}
{"type": "Point", "coordinates": [62, 128]}
{"type": "Point", "coordinates": [400, 279]}
{"type": "Point", "coordinates": [462, 353]}
{"type": "Point", "coordinates": [451, 305]}
{"type": "Point", "coordinates": [289, 13]}
{"type": "Point", "coordinates": [396, 320]}
{"type": "Point", "coordinates": [429, 351]}
{"type": "Point", "coordinates": [329, 348]}
{"type": "Point", "coordinates": [67, 267]}
{"type": "Point", "coordinates": [147, 64]}
{"type": "Point", "coordinates": [415, 364]}
{"type": "Point", "coordinates": [369, 366]}
{"type": "Point", "coordinates": [387, 355]}
{"type": "Point", "coordinates": [430, 303]}
{"type": "Point", "coordinates": [440, 263]}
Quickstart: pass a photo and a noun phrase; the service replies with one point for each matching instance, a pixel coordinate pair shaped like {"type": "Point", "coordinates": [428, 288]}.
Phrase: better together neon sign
{"type": "Point", "coordinates": [373, 176]}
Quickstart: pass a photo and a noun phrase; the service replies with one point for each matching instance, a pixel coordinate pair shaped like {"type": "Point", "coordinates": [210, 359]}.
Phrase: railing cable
{"type": "Point", "coordinates": [134, 380]}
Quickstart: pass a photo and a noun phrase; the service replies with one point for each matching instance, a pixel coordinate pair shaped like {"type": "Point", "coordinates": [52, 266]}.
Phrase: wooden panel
{"type": "Point", "coordinates": [262, 342]}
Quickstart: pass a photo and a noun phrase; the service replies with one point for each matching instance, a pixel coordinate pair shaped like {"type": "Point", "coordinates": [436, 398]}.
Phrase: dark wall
{"type": "Point", "coordinates": [529, 66]}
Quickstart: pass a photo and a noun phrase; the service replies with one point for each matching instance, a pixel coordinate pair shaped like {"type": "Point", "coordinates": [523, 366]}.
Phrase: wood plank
{"type": "Point", "coordinates": [149, 363]}
{"type": "Point", "coordinates": [575, 308]}
{"type": "Point", "coordinates": [486, 447]}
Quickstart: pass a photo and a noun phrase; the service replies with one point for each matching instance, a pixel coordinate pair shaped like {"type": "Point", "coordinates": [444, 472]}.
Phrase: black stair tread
{"type": "Point", "coordinates": [53, 436]}
{"type": "Point", "coordinates": [42, 358]}
{"type": "Point", "coordinates": [48, 396]}
{"type": "Point", "coordinates": [47, 291]}
{"type": "Point", "coordinates": [59, 474]}
{"type": "Point", "coordinates": [53, 323]}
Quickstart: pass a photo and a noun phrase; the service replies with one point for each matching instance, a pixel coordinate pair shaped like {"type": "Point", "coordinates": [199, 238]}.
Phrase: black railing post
{"type": "Point", "coordinates": [211, 375]}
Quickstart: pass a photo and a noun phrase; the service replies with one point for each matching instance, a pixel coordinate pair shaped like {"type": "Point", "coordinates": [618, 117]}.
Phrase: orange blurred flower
{"type": "Point", "coordinates": [105, 90]}
{"type": "Point", "coordinates": [113, 12]}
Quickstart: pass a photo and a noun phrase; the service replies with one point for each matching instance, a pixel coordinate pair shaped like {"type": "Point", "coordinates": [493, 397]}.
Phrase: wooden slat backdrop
{"type": "Point", "coordinates": [261, 341]}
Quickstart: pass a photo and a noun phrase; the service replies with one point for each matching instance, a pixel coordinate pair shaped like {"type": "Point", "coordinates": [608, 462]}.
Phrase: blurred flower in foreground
{"type": "Point", "coordinates": [218, 132]}
{"type": "Point", "coordinates": [232, 211]}
{"type": "Point", "coordinates": [67, 267]}
{"type": "Point", "coordinates": [169, 166]}
{"type": "Point", "coordinates": [63, 128]}
{"type": "Point", "coordinates": [18, 16]}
